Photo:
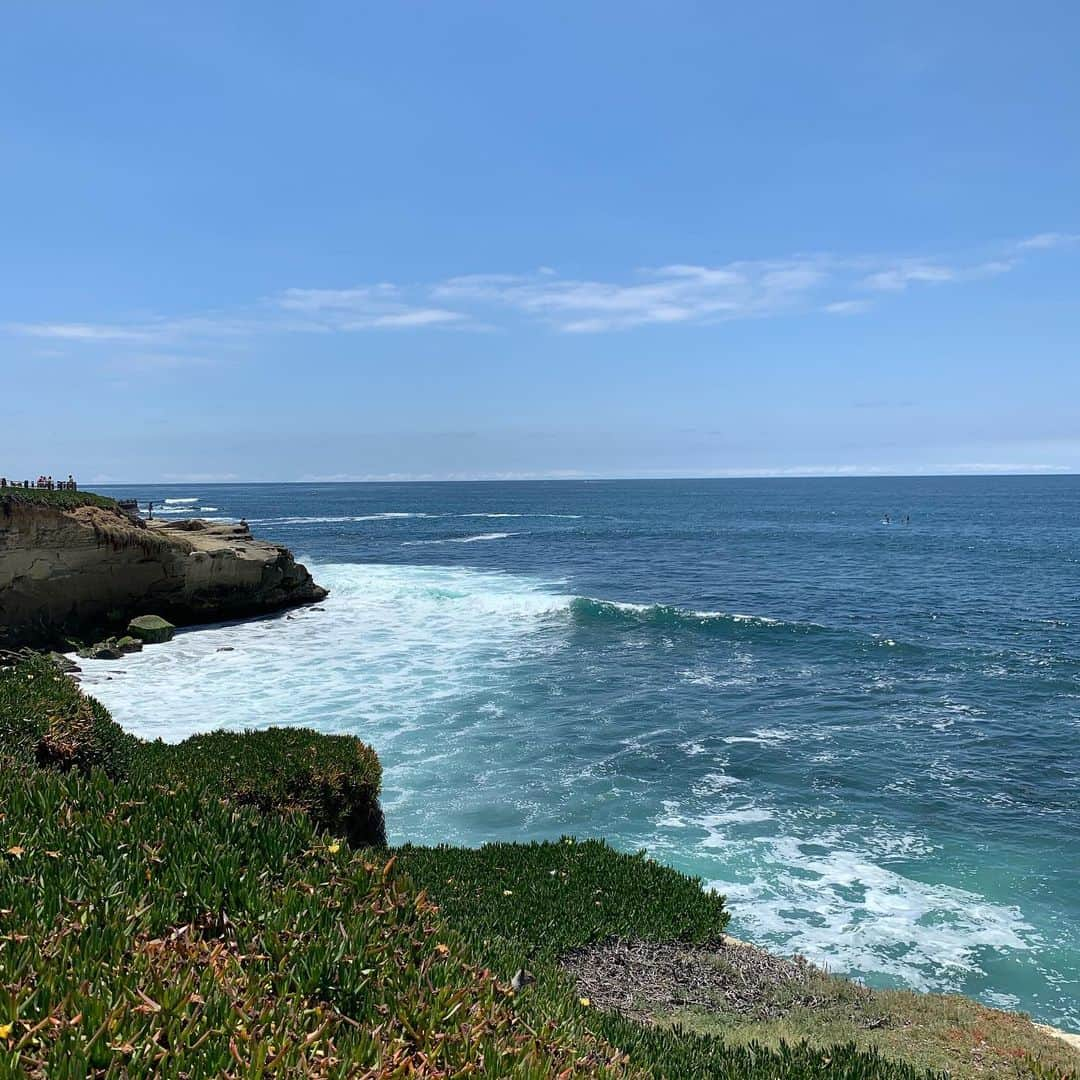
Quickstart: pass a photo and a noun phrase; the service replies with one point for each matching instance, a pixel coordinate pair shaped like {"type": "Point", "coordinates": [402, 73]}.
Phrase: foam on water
{"type": "Point", "coordinates": [574, 517]}
{"type": "Point", "coordinates": [341, 518]}
{"type": "Point", "coordinates": [479, 538]}
{"type": "Point", "coordinates": [845, 910]}
{"type": "Point", "coordinates": [388, 643]}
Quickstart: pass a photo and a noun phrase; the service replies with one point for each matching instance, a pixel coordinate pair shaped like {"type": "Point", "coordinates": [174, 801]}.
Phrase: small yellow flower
{"type": "Point", "coordinates": [585, 1001]}
{"type": "Point", "coordinates": [508, 892]}
{"type": "Point", "coordinates": [334, 848]}
{"type": "Point", "coordinates": [5, 1030]}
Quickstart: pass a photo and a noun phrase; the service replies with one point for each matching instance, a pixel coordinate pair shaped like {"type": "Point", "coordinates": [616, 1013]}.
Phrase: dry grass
{"type": "Point", "coordinates": [746, 995]}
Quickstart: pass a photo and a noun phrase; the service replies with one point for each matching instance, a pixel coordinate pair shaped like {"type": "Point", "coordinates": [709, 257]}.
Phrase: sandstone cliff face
{"type": "Point", "coordinates": [77, 572]}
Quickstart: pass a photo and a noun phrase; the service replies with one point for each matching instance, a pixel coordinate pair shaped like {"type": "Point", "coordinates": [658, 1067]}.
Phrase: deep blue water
{"type": "Point", "coordinates": [866, 735]}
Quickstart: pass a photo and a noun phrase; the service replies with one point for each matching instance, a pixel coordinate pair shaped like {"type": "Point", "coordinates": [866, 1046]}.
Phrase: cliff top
{"type": "Point", "coordinates": [57, 500]}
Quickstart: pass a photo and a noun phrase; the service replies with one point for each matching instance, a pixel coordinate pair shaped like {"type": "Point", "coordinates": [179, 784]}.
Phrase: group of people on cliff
{"type": "Point", "coordinates": [47, 483]}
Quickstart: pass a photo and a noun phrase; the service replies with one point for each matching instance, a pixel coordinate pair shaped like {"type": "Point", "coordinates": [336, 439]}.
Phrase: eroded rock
{"type": "Point", "coordinates": [82, 573]}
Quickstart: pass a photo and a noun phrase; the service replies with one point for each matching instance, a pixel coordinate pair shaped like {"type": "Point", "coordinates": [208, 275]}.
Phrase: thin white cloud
{"type": "Point", "coordinates": [692, 293]}
{"type": "Point", "coordinates": [913, 272]}
{"type": "Point", "coordinates": [993, 467]}
{"type": "Point", "coordinates": [900, 277]}
{"type": "Point", "coordinates": [358, 299]}
{"type": "Point", "coordinates": [677, 293]}
{"type": "Point", "coordinates": [1046, 240]}
{"type": "Point", "coordinates": [668, 295]}
{"type": "Point", "coordinates": [374, 307]}
{"type": "Point", "coordinates": [90, 332]}
{"type": "Point", "coordinates": [412, 317]}
{"type": "Point", "coordinates": [847, 307]}
{"type": "Point", "coordinates": [153, 331]}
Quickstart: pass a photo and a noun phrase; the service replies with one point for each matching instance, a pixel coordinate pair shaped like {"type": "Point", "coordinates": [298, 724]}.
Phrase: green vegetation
{"type": "Point", "coordinates": [60, 500]}
{"type": "Point", "coordinates": [333, 779]}
{"type": "Point", "coordinates": [527, 905]}
{"type": "Point", "coordinates": [541, 900]}
{"type": "Point", "coordinates": [46, 720]}
{"type": "Point", "coordinates": [194, 911]}
{"type": "Point", "coordinates": [159, 932]}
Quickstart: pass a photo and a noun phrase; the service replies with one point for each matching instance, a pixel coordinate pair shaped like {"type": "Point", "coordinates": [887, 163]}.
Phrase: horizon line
{"type": "Point", "coordinates": [972, 475]}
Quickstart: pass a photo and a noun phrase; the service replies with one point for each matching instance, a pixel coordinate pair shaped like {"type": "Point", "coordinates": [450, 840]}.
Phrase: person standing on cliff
{"type": "Point", "coordinates": [150, 511]}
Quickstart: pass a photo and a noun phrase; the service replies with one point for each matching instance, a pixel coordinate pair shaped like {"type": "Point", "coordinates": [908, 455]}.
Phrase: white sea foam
{"type": "Point", "coordinates": [460, 539]}
{"type": "Point", "coordinates": [388, 645]}
{"type": "Point", "coordinates": [829, 893]}
{"type": "Point", "coordinates": [339, 518]}
{"type": "Point", "coordinates": [187, 509]}
{"type": "Point", "coordinates": [521, 515]}
{"type": "Point", "coordinates": [844, 909]}
{"type": "Point", "coordinates": [181, 502]}
{"type": "Point", "coordinates": [763, 737]}
{"type": "Point", "coordinates": [713, 782]}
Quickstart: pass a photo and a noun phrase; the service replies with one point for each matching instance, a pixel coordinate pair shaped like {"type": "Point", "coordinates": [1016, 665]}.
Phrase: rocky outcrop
{"type": "Point", "coordinates": [87, 571]}
{"type": "Point", "coordinates": [150, 628]}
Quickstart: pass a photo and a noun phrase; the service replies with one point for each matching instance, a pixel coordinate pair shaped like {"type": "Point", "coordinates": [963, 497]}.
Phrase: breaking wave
{"type": "Point", "coordinates": [479, 538]}
{"type": "Point", "coordinates": [666, 616]}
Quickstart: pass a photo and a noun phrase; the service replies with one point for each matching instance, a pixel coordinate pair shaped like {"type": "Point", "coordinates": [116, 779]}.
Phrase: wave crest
{"type": "Point", "coordinates": [588, 610]}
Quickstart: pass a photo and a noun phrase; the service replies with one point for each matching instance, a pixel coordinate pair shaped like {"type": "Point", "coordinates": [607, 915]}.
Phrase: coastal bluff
{"type": "Point", "coordinates": [74, 571]}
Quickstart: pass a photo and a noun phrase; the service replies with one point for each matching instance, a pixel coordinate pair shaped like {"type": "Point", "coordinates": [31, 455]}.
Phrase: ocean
{"type": "Point", "coordinates": [851, 705]}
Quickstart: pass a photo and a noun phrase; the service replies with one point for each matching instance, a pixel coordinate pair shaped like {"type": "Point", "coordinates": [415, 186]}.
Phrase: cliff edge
{"type": "Point", "coordinates": [79, 571]}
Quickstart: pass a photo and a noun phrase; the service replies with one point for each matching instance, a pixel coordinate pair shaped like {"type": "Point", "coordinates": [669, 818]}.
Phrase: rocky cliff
{"type": "Point", "coordinates": [79, 572]}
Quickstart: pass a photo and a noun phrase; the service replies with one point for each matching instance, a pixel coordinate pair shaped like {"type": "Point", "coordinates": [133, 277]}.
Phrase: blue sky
{"type": "Point", "coordinates": [266, 241]}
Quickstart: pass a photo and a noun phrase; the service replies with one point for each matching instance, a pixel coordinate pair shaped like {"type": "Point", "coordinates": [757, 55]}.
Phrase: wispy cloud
{"type": "Point", "coordinates": [914, 272]}
{"type": "Point", "coordinates": [670, 295]}
{"type": "Point", "coordinates": [847, 307]}
{"type": "Point", "coordinates": [371, 307]}
{"type": "Point", "coordinates": [682, 293]}
{"type": "Point", "coordinates": [677, 293]}
{"type": "Point", "coordinates": [1046, 240]}
{"type": "Point", "coordinates": [152, 331]}
{"type": "Point", "coordinates": [126, 335]}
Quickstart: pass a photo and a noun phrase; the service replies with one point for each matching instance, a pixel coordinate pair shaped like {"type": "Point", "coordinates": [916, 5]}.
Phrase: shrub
{"type": "Point", "coordinates": [549, 898]}
{"type": "Point", "coordinates": [45, 719]}
{"type": "Point", "coordinates": [334, 779]}
{"type": "Point", "coordinates": [59, 500]}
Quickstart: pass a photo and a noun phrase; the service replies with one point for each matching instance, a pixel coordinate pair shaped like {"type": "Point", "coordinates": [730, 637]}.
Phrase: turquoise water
{"type": "Point", "coordinates": [865, 734]}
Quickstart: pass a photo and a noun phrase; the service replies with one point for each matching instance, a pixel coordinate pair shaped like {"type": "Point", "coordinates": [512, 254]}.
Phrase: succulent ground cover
{"type": "Point", "coordinates": [198, 911]}
{"type": "Point", "coordinates": [334, 779]}
{"type": "Point", "coordinates": [60, 500]}
{"type": "Point", "coordinates": [161, 932]}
